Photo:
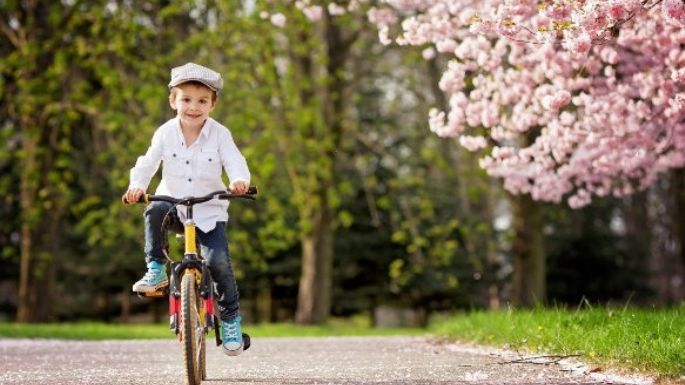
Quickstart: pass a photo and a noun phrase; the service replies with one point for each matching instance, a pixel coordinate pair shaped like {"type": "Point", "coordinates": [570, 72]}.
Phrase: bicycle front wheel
{"type": "Point", "coordinates": [192, 330]}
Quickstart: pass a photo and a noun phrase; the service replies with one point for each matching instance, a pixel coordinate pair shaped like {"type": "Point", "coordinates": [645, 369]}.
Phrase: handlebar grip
{"type": "Point", "coordinates": [142, 199]}
{"type": "Point", "coordinates": [252, 190]}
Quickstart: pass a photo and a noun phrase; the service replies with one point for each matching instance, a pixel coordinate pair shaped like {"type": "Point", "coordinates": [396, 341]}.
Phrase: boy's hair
{"type": "Point", "coordinates": [172, 91]}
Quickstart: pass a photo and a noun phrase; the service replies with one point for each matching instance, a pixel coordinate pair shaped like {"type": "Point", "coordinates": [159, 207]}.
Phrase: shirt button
{"type": "Point", "coordinates": [174, 155]}
{"type": "Point", "coordinates": [190, 179]}
{"type": "Point", "coordinates": [210, 159]}
{"type": "Point", "coordinates": [187, 162]}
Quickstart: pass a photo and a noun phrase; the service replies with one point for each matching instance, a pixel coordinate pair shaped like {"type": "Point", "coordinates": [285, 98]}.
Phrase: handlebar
{"type": "Point", "coordinates": [189, 201]}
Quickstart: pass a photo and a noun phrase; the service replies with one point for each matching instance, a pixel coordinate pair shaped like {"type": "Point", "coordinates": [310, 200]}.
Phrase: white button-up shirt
{"type": "Point", "coordinates": [193, 170]}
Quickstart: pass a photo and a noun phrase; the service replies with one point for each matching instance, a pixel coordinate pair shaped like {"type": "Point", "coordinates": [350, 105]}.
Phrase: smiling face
{"type": "Point", "coordinates": [192, 102]}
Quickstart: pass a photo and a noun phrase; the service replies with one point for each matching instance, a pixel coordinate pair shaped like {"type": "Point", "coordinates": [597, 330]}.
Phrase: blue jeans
{"type": "Point", "coordinates": [213, 247]}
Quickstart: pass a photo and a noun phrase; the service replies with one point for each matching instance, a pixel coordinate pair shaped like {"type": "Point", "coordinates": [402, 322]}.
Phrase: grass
{"type": "Point", "coordinates": [649, 341]}
{"type": "Point", "coordinates": [102, 331]}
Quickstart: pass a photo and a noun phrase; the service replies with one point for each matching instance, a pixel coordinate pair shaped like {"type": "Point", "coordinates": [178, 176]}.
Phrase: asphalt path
{"type": "Point", "coordinates": [331, 360]}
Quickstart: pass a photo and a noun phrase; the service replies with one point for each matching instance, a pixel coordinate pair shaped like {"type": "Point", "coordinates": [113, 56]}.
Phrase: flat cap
{"type": "Point", "coordinates": [194, 72]}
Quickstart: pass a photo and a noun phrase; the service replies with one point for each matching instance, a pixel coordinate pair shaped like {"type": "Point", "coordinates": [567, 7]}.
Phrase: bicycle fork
{"type": "Point", "coordinates": [206, 292]}
{"type": "Point", "coordinates": [191, 264]}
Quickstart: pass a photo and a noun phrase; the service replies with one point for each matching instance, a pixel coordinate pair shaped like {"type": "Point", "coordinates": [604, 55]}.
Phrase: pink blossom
{"type": "Point", "coordinates": [616, 10]}
{"type": "Point", "coordinates": [580, 199]}
{"type": "Point", "coordinates": [446, 45]}
{"type": "Point", "coordinates": [382, 17]}
{"type": "Point", "coordinates": [674, 11]}
{"type": "Point", "coordinates": [579, 44]}
{"type": "Point", "coordinates": [678, 102]}
{"type": "Point", "coordinates": [473, 143]}
{"type": "Point", "coordinates": [609, 55]}
{"type": "Point", "coordinates": [558, 11]}
{"type": "Point", "coordinates": [678, 76]}
{"type": "Point", "coordinates": [436, 122]}
{"type": "Point", "coordinates": [336, 10]}
{"type": "Point", "coordinates": [278, 19]}
{"type": "Point", "coordinates": [313, 13]}
{"type": "Point", "coordinates": [453, 79]}
{"type": "Point", "coordinates": [383, 35]}
{"type": "Point", "coordinates": [557, 100]}
{"type": "Point", "coordinates": [428, 53]}
{"type": "Point", "coordinates": [608, 106]}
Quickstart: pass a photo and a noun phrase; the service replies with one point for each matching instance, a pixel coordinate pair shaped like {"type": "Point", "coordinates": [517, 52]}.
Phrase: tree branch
{"type": "Point", "coordinates": [546, 360]}
{"type": "Point", "coordinates": [9, 32]}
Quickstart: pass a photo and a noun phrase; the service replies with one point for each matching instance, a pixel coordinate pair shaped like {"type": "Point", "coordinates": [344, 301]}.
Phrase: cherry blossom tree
{"type": "Point", "coordinates": [570, 100]}
{"type": "Point", "coordinates": [565, 100]}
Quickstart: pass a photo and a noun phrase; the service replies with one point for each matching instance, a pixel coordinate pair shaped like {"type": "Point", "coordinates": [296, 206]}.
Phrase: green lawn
{"type": "Point", "coordinates": [651, 341]}
{"type": "Point", "coordinates": [101, 331]}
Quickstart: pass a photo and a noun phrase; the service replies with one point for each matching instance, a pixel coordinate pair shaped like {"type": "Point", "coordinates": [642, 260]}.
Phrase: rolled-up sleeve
{"type": "Point", "coordinates": [233, 161]}
{"type": "Point", "coordinates": [147, 165]}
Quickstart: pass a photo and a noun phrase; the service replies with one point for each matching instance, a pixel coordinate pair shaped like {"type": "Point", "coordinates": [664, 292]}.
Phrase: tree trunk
{"type": "Point", "coordinates": [126, 305]}
{"type": "Point", "coordinates": [677, 293]}
{"type": "Point", "coordinates": [39, 233]}
{"type": "Point", "coordinates": [37, 274]}
{"type": "Point", "coordinates": [314, 296]}
{"type": "Point", "coordinates": [639, 229]}
{"type": "Point", "coordinates": [36, 282]}
{"type": "Point", "coordinates": [678, 188]}
{"type": "Point", "coordinates": [528, 283]}
{"type": "Point", "coordinates": [40, 206]}
{"type": "Point", "coordinates": [264, 303]}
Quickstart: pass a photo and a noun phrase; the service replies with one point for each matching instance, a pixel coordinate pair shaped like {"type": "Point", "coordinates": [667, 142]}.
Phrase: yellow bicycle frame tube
{"type": "Point", "coordinates": [189, 234]}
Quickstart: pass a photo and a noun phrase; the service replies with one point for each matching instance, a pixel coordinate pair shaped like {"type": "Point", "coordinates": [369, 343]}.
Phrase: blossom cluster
{"type": "Point", "coordinates": [315, 12]}
{"type": "Point", "coordinates": [573, 99]}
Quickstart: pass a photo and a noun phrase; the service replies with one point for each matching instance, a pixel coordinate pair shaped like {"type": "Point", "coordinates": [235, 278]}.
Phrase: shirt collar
{"type": "Point", "coordinates": [204, 132]}
{"type": "Point", "coordinates": [207, 127]}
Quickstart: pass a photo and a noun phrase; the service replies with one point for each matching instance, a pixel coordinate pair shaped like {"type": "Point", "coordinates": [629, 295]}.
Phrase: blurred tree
{"type": "Point", "coordinates": [36, 74]}
{"type": "Point", "coordinates": [304, 74]}
{"type": "Point", "coordinates": [594, 253]}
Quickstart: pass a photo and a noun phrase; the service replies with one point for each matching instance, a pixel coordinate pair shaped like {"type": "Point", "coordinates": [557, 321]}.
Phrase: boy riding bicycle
{"type": "Point", "coordinates": [193, 149]}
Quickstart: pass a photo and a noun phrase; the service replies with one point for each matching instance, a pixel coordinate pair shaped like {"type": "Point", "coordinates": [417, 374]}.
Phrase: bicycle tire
{"type": "Point", "coordinates": [192, 331]}
{"type": "Point", "coordinates": [203, 358]}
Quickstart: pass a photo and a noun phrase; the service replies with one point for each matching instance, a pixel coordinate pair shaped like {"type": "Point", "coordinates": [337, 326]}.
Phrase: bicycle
{"type": "Point", "coordinates": [191, 298]}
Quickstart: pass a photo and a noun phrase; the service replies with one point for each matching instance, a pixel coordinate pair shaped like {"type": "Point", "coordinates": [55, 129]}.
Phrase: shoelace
{"type": "Point", "coordinates": [151, 274]}
{"type": "Point", "coordinates": [231, 330]}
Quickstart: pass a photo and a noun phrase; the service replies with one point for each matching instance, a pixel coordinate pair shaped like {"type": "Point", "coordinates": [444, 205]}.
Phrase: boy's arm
{"type": "Point", "coordinates": [147, 165]}
{"type": "Point", "coordinates": [235, 164]}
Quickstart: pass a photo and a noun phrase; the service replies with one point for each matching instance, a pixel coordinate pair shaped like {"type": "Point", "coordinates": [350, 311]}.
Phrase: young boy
{"type": "Point", "coordinates": [193, 149]}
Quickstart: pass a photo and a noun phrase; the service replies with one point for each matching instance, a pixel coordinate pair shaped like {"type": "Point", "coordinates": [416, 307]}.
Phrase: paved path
{"type": "Point", "coordinates": [335, 360]}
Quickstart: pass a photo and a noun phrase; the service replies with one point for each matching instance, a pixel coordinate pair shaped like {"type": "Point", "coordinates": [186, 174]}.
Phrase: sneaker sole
{"type": "Point", "coordinates": [246, 345]}
{"type": "Point", "coordinates": [232, 353]}
{"type": "Point", "coordinates": [150, 289]}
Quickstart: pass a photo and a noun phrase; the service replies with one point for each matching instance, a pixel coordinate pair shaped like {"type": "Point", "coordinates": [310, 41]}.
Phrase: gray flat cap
{"type": "Point", "coordinates": [194, 72]}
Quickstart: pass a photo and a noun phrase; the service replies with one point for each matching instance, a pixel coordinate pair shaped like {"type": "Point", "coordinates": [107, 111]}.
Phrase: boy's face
{"type": "Point", "coordinates": [192, 103]}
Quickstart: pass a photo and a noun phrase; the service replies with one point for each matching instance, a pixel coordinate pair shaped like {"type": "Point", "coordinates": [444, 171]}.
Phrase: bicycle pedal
{"type": "Point", "coordinates": [246, 341]}
{"type": "Point", "coordinates": [161, 293]}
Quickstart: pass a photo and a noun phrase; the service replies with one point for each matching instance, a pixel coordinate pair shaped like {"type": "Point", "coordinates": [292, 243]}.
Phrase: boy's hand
{"type": "Point", "coordinates": [238, 187]}
{"type": "Point", "coordinates": [133, 194]}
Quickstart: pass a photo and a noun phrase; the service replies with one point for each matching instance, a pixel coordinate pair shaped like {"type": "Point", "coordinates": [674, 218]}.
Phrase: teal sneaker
{"type": "Point", "coordinates": [232, 336]}
{"type": "Point", "coordinates": [154, 279]}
